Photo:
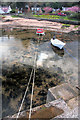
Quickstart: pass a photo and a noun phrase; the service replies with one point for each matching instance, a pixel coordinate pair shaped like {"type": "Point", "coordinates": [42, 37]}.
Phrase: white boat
{"type": "Point", "coordinates": [57, 43]}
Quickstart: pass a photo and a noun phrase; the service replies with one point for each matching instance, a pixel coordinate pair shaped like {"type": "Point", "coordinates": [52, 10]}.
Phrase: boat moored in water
{"type": "Point", "coordinates": [40, 31]}
{"type": "Point", "coordinates": [57, 43]}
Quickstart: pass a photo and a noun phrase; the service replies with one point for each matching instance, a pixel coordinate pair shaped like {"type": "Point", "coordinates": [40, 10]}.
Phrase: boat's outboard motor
{"type": "Point", "coordinates": [54, 37]}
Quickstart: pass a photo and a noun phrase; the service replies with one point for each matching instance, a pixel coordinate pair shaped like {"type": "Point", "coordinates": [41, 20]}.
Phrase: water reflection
{"type": "Point", "coordinates": [53, 67]}
{"type": "Point", "coordinates": [41, 58]}
{"type": "Point", "coordinates": [58, 51]}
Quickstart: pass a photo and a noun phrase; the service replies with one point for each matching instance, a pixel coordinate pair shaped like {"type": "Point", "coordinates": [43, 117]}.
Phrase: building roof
{"type": "Point", "coordinates": [47, 9]}
{"type": "Point", "coordinates": [5, 9]}
{"type": "Point", "coordinates": [73, 8]}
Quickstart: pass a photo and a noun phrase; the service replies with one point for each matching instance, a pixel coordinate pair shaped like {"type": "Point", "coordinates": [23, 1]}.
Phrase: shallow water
{"type": "Point", "coordinates": [53, 67]}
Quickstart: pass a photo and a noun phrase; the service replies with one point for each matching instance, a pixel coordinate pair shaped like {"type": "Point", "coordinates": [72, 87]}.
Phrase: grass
{"type": "Point", "coordinates": [54, 17]}
{"type": "Point", "coordinates": [14, 16]}
{"type": "Point", "coordinates": [49, 17]}
{"type": "Point", "coordinates": [76, 26]}
{"type": "Point", "coordinates": [2, 16]}
{"type": "Point", "coordinates": [66, 25]}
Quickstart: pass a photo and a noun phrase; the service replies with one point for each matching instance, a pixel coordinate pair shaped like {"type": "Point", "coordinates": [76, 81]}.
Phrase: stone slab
{"type": "Point", "coordinates": [60, 103]}
{"type": "Point", "coordinates": [63, 91]}
{"type": "Point", "coordinates": [74, 102]}
{"type": "Point", "coordinates": [72, 114]}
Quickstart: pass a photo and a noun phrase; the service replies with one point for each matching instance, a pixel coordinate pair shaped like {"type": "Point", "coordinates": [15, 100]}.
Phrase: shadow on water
{"type": "Point", "coordinates": [17, 63]}
{"type": "Point", "coordinates": [58, 51]}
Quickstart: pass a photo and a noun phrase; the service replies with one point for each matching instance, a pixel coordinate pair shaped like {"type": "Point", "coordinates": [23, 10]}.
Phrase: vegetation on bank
{"type": "Point", "coordinates": [76, 26]}
{"type": "Point", "coordinates": [48, 17]}
{"type": "Point", "coordinates": [65, 26]}
{"type": "Point", "coordinates": [1, 16]}
{"type": "Point", "coordinates": [14, 16]}
{"type": "Point", "coordinates": [73, 17]}
{"type": "Point", "coordinates": [69, 16]}
{"type": "Point", "coordinates": [65, 15]}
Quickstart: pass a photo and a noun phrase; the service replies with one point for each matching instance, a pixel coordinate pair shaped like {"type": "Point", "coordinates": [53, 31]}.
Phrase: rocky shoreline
{"type": "Point", "coordinates": [8, 21]}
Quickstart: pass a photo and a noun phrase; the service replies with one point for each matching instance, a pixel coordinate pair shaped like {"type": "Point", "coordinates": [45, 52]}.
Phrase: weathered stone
{"type": "Point", "coordinates": [63, 91]}
{"type": "Point", "coordinates": [70, 114]}
{"type": "Point", "coordinates": [73, 103]}
{"type": "Point", "coordinates": [50, 110]}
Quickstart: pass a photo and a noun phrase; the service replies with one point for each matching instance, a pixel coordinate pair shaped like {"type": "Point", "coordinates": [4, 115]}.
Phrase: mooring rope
{"type": "Point", "coordinates": [32, 96]}
{"type": "Point", "coordinates": [70, 54]}
{"type": "Point", "coordinates": [36, 53]}
{"type": "Point", "coordinates": [32, 87]}
{"type": "Point", "coordinates": [24, 95]}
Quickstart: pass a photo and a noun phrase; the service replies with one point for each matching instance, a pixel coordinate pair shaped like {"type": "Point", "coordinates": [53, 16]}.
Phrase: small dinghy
{"type": "Point", "coordinates": [57, 43]}
{"type": "Point", "coordinates": [40, 31]}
